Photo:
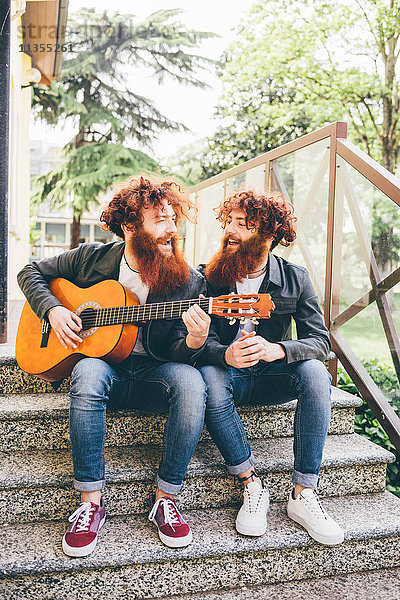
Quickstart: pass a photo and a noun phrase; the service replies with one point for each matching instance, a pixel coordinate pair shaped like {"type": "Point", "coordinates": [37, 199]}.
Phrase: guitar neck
{"type": "Point", "coordinates": [117, 315]}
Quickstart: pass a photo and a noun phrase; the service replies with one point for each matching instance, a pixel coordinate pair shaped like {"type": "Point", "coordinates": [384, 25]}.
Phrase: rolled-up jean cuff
{"type": "Point", "coordinates": [168, 488]}
{"type": "Point", "coordinates": [305, 479]}
{"type": "Point", "coordinates": [236, 469]}
{"type": "Point", "coordinates": [89, 486]}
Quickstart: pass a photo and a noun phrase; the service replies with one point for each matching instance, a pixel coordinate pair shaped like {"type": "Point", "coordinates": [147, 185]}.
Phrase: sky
{"type": "Point", "coordinates": [192, 106]}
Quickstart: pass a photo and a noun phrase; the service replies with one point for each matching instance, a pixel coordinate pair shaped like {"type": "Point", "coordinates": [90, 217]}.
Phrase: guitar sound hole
{"type": "Point", "coordinates": [88, 318]}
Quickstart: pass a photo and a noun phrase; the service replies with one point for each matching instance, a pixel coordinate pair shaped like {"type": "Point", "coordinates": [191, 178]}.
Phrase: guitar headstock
{"type": "Point", "coordinates": [243, 307]}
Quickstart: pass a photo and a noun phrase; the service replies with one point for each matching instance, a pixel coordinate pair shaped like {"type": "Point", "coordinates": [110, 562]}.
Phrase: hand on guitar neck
{"type": "Point", "coordinates": [197, 323]}
{"type": "Point", "coordinates": [66, 325]}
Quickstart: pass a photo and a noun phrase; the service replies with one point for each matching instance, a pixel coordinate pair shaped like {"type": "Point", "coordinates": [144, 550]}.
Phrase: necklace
{"type": "Point", "coordinates": [126, 262]}
{"type": "Point", "coordinates": [258, 271]}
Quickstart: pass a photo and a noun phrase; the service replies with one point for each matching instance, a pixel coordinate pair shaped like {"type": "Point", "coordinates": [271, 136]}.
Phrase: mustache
{"type": "Point", "coordinates": [228, 238]}
{"type": "Point", "coordinates": [230, 265]}
{"type": "Point", "coordinates": [162, 274]}
{"type": "Point", "coordinates": [164, 238]}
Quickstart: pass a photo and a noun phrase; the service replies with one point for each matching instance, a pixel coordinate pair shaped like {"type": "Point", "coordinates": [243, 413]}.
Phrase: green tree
{"type": "Point", "coordinates": [314, 62]}
{"type": "Point", "coordinates": [108, 116]}
{"type": "Point", "coordinates": [187, 162]}
{"type": "Point", "coordinates": [255, 119]}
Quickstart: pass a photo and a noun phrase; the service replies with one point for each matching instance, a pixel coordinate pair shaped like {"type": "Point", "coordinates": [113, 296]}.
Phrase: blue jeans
{"type": "Point", "coordinates": [269, 384]}
{"type": "Point", "coordinates": [139, 382]}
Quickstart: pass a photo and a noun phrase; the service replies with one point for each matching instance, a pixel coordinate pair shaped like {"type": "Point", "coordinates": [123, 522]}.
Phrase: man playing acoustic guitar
{"type": "Point", "coordinates": [149, 263]}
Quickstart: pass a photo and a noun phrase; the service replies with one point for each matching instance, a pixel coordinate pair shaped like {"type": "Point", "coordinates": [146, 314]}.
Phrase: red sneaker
{"type": "Point", "coordinates": [80, 538]}
{"type": "Point", "coordinates": [172, 528]}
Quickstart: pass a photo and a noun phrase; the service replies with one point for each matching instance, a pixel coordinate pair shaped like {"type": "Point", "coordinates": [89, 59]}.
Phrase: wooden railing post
{"type": "Point", "coordinates": [337, 132]}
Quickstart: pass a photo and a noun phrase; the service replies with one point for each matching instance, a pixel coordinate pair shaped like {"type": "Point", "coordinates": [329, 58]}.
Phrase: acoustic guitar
{"type": "Point", "coordinates": [110, 314]}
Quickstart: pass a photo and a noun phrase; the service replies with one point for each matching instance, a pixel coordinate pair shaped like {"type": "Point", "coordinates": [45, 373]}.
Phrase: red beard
{"type": "Point", "coordinates": [228, 266]}
{"type": "Point", "coordinates": [162, 274]}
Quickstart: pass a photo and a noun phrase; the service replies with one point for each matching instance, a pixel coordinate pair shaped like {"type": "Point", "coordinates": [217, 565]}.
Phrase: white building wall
{"type": "Point", "coordinates": [19, 175]}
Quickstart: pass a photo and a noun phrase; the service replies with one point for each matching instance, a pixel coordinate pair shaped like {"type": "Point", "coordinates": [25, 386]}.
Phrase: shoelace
{"type": "Point", "coordinates": [253, 501]}
{"type": "Point", "coordinates": [170, 513]}
{"type": "Point", "coordinates": [314, 506]}
{"type": "Point", "coordinates": [82, 516]}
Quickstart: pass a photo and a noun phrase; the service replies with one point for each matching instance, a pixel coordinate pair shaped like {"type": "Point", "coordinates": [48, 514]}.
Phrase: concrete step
{"type": "Point", "coordinates": [384, 584]}
{"type": "Point", "coordinates": [36, 421]}
{"type": "Point", "coordinates": [131, 562]}
{"type": "Point", "coordinates": [14, 381]}
{"type": "Point", "coordinates": [37, 485]}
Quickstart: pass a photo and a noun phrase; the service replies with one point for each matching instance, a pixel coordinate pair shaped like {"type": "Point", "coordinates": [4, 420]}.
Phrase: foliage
{"type": "Point", "coordinates": [367, 424]}
{"type": "Point", "coordinates": [186, 162]}
{"type": "Point", "coordinates": [255, 124]}
{"type": "Point", "coordinates": [314, 62]}
{"type": "Point", "coordinates": [108, 116]}
{"type": "Point", "coordinates": [88, 171]}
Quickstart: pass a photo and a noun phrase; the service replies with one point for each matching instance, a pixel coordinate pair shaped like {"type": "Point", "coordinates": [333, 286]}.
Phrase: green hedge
{"type": "Point", "coordinates": [367, 424]}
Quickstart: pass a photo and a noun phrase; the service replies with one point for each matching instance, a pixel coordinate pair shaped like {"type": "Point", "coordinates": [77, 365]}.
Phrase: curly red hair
{"type": "Point", "coordinates": [269, 215]}
{"type": "Point", "coordinates": [140, 192]}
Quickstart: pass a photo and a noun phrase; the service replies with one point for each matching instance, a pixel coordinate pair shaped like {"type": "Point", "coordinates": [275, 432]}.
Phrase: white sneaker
{"type": "Point", "coordinates": [308, 511]}
{"type": "Point", "coordinates": [252, 517]}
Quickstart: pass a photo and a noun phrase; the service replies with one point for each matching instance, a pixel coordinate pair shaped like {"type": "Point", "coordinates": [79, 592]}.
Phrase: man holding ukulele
{"type": "Point", "coordinates": [263, 365]}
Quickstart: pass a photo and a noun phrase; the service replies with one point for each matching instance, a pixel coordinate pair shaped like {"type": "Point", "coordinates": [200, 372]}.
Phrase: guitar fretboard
{"type": "Point", "coordinates": [118, 315]}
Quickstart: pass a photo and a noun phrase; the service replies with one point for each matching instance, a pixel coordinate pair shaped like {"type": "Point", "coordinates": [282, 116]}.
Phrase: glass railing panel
{"type": "Point", "coordinates": [366, 337]}
{"type": "Point", "coordinates": [187, 234]}
{"type": "Point", "coordinates": [252, 178]}
{"type": "Point", "coordinates": [365, 334]}
{"type": "Point", "coordinates": [355, 232]}
{"type": "Point", "coordinates": [208, 229]}
{"type": "Point", "coordinates": [366, 251]}
{"type": "Point", "coordinates": [303, 178]}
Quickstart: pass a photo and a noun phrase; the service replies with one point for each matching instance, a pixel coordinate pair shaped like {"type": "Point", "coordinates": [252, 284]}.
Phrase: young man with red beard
{"type": "Point", "coordinates": [149, 263]}
{"type": "Point", "coordinates": [263, 365]}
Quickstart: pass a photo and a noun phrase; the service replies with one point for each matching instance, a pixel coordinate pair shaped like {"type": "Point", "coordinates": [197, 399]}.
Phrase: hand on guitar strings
{"type": "Point", "coordinates": [66, 325]}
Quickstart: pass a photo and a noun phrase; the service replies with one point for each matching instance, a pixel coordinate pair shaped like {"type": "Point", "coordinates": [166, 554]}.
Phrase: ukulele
{"type": "Point", "coordinates": [110, 314]}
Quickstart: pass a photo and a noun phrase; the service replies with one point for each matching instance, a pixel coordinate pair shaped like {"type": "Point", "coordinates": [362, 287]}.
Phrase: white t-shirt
{"type": "Point", "coordinates": [131, 280]}
{"type": "Point", "coordinates": [248, 286]}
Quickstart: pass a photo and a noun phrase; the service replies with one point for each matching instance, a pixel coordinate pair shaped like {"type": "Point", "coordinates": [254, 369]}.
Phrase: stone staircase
{"type": "Point", "coordinates": [130, 562]}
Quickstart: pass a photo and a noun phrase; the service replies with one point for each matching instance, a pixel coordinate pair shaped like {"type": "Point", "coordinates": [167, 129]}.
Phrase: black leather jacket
{"type": "Point", "coordinates": [90, 263]}
{"type": "Point", "coordinates": [293, 293]}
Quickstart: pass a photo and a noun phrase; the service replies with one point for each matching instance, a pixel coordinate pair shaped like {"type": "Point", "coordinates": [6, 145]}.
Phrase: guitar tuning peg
{"type": "Point", "coordinates": [232, 321]}
{"type": "Point", "coordinates": [255, 320]}
{"type": "Point", "coordinates": [243, 320]}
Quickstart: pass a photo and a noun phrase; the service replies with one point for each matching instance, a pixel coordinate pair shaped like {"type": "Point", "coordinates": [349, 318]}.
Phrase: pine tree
{"type": "Point", "coordinates": [109, 117]}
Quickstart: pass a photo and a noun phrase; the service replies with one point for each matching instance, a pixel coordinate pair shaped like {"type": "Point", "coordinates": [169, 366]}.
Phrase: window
{"type": "Point", "coordinates": [85, 234]}
{"type": "Point", "coordinates": [102, 236]}
{"type": "Point", "coordinates": [55, 233]}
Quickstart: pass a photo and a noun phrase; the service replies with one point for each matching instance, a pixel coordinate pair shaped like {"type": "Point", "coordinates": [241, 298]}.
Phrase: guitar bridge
{"type": "Point", "coordinates": [45, 333]}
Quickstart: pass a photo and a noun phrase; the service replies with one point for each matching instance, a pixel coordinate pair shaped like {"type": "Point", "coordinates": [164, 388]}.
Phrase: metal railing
{"type": "Point", "coordinates": [340, 195]}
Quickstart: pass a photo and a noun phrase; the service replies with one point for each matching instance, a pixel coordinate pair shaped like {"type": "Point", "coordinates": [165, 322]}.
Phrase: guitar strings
{"type": "Point", "coordinates": [119, 316]}
{"type": "Point", "coordinates": [106, 315]}
{"type": "Point", "coordinates": [111, 315]}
